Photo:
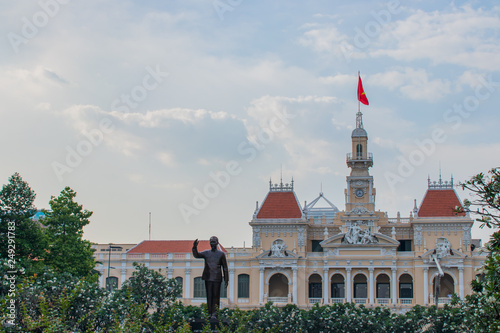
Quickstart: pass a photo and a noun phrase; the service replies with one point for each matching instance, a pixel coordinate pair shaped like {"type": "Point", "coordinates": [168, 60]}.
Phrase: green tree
{"type": "Point", "coordinates": [486, 189]}
{"type": "Point", "coordinates": [21, 239]}
{"type": "Point", "coordinates": [68, 251]}
{"type": "Point", "coordinates": [483, 305]}
{"type": "Point", "coordinates": [151, 288]}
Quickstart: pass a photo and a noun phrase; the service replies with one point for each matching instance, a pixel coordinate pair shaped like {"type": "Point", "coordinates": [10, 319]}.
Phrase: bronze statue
{"type": "Point", "coordinates": [215, 263]}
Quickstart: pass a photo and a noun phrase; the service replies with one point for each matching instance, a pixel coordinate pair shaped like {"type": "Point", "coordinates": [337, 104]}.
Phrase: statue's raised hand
{"type": "Point", "coordinates": [195, 243]}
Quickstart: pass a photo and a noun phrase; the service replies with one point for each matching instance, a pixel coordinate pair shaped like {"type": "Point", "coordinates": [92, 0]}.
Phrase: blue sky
{"type": "Point", "coordinates": [140, 106]}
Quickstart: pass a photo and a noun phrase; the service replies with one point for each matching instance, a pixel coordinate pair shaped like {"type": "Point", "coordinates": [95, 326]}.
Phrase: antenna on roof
{"type": "Point", "coordinates": [281, 173]}
{"type": "Point", "coordinates": [440, 179]}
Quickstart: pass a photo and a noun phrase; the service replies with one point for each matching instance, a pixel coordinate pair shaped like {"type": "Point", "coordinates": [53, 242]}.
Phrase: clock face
{"type": "Point", "coordinates": [359, 193]}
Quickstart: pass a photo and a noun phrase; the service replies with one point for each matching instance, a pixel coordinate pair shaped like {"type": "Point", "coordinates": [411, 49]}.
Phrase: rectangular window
{"type": "Point", "coordinates": [360, 290]}
{"type": "Point", "coordinates": [199, 290]}
{"type": "Point", "coordinates": [404, 245]}
{"type": "Point", "coordinates": [316, 247]}
{"type": "Point", "coordinates": [405, 290]}
{"type": "Point", "coordinates": [383, 290]}
{"type": "Point", "coordinates": [315, 290]}
{"type": "Point", "coordinates": [338, 290]}
{"type": "Point", "coordinates": [243, 286]}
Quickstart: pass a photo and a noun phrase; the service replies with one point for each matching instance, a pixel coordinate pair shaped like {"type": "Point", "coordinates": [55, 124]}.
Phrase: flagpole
{"type": "Point", "coordinates": [358, 98]}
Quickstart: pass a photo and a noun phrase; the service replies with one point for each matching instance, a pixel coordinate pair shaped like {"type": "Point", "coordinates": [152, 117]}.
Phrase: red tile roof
{"type": "Point", "coordinates": [280, 205]}
{"type": "Point", "coordinates": [171, 246]}
{"type": "Point", "coordinates": [439, 203]}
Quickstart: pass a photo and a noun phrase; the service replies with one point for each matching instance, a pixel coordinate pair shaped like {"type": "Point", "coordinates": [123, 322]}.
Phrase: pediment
{"type": "Point", "coordinates": [453, 254]}
{"type": "Point", "coordinates": [378, 240]}
{"type": "Point", "coordinates": [285, 255]}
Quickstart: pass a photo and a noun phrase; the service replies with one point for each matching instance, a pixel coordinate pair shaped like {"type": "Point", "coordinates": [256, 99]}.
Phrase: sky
{"type": "Point", "coordinates": [180, 112]}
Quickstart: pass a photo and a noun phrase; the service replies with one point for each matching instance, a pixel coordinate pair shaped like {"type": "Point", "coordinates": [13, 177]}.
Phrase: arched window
{"type": "Point", "coordinates": [383, 286]}
{"type": "Point", "coordinates": [179, 281]}
{"type": "Point", "coordinates": [199, 288]}
{"type": "Point", "coordinates": [278, 285]}
{"type": "Point", "coordinates": [243, 286]}
{"type": "Point", "coordinates": [360, 286]}
{"type": "Point", "coordinates": [405, 286]}
{"type": "Point", "coordinates": [315, 286]}
{"type": "Point", "coordinates": [359, 150]}
{"type": "Point", "coordinates": [338, 286]}
{"type": "Point", "coordinates": [111, 282]}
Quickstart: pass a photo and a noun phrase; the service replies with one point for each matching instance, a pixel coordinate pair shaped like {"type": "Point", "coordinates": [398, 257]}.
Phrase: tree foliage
{"type": "Point", "coordinates": [151, 288]}
{"type": "Point", "coordinates": [21, 239]}
{"type": "Point", "coordinates": [68, 251]}
{"type": "Point", "coordinates": [483, 305]}
{"type": "Point", "coordinates": [486, 189]}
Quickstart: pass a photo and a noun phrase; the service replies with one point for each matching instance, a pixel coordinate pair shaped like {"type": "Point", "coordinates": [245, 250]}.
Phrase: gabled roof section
{"type": "Point", "coordinates": [315, 209]}
{"type": "Point", "coordinates": [171, 246]}
{"type": "Point", "coordinates": [440, 200]}
{"type": "Point", "coordinates": [280, 203]}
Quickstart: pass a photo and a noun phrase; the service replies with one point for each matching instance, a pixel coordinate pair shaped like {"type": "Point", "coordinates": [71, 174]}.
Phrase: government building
{"type": "Point", "coordinates": [317, 253]}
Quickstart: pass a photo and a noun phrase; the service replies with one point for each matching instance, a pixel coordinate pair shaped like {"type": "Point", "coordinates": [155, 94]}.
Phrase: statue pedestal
{"type": "Point", "coordinates": [198, 324]}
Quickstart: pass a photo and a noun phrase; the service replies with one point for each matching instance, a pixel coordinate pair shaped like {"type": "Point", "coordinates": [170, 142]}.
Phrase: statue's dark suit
{"type": "Point", "coordinates": [215, 263]}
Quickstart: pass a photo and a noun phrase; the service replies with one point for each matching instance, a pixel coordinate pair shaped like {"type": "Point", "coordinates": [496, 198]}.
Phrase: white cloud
{"type": "Point", "coordinates": [323, 40]}
{"type": "Point", "coordinates": [338, 79]}
{"type": "Point", "coordinates": [463, 36]}
{"type": "Point", "coordinates": [166, 158]}
{"type": "Point", "coordinates": [413, 83]}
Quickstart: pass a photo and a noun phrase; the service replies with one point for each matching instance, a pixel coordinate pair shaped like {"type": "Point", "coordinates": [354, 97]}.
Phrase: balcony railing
{"type": "Point", "coordinates": [383, 301]}
{"type": "Point", "coordinates": [406, 301]}
{"type": "Point", "coordinates": [337, 300]}
{"type": "Point", "coordinates": [368, 157]}
{"type": "Point", "coordinates": [314, 300]}
{"type": "Point", "coordinates": [278, 299]}
{"type": "Point", "coordinates": [360, 300]}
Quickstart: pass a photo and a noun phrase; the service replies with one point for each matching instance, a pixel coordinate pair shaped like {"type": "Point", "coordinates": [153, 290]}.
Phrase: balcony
{"type": "Point", "coordinates": [278, 299]}
{"type": "Point", "coordinates": [383, 301]}
{"type": "Point", "coordinates": [360, 300]}
{"type": "Point", "coordinates": [314, 300]}
{"type": "Point", "coordinates": [406, 301]}
{"type": "Point", "coordinates": [359, 158]}
{"type": "Point", "coordinates": [337, 300]}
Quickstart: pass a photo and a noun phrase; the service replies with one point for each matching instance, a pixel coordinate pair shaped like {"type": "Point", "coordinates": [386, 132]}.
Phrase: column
{"type": "Point", "coordinates": [294, 296]}
{"type": "Point", "coordinates": [394, 285]}
{"type": "Point", "coordinates": [124, 274]}
{"type": "Point", "coordinates": [101, 276]}
{"type": "Point", "coordinates": [426, 286]}
{"type": "Point", "coordinates": [187, 292]}
{"type": "Point", "coordinates": [326, 285]}
{"type": "Point", "coordinates": [348, 285]}
{"type": "Point", "coordinates": [372, 289]}
{"type": "Point", "coordinates": [261, 285]}
{"type": "Point", "coordinates": [231, 285]}
{"type": "Point", "coordinates": [461, 282]}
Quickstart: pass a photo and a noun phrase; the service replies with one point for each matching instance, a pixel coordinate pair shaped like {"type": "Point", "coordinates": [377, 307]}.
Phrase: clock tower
{"type": "Point", "coordinates": [360, 191]}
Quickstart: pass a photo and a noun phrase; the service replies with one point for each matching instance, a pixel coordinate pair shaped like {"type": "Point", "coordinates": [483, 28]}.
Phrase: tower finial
{"type": "Point", "coordinates": [359, 120]}
{"type": "Point", "coordinates": [440, 178]}
{"type": "Point", "coordinates": [281, 173]}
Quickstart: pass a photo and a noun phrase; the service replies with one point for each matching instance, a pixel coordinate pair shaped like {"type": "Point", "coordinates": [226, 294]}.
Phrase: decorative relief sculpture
{"type": "Point", "coordinates": [301, 237]}
{"type": "Point", "coordinates": [443, 248]}
{"type": "Point", "coordinates": [356, 235]}
{"type": "Point", "coordinates": [360, 210]}
{"type": "Point", "coordinates": [256, 236]}
{"type": "Point", "coordinates": [418, 235]}
{"type": "Point", "coordinates": [278, 249]}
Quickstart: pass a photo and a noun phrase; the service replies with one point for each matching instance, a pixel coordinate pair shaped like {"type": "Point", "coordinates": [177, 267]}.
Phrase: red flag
{"type": "Point", "coordinates": [361, 93]}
